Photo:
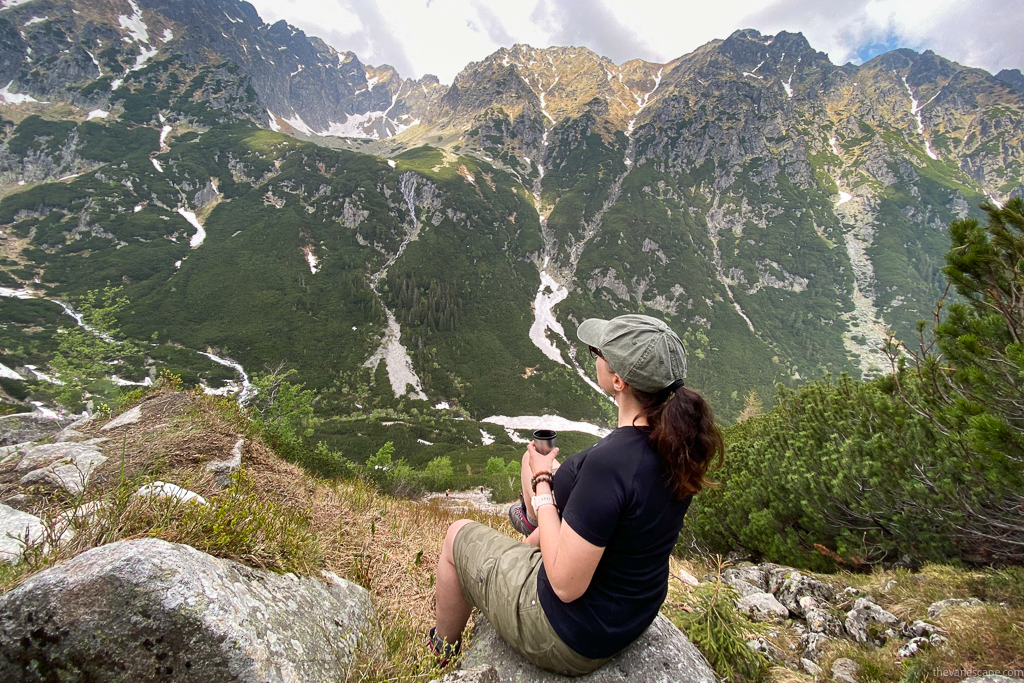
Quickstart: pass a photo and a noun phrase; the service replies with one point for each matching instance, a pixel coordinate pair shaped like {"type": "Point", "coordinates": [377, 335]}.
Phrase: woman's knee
{"type": "Point", "coordinates": [449, 538]}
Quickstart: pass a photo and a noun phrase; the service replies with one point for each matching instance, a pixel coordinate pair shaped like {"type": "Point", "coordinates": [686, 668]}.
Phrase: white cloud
{"type": "Point", "coordinates": [442, 36]}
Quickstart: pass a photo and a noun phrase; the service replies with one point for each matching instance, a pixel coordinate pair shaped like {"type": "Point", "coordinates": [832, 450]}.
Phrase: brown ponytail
{"type": "Point", "coordinates": [683, 431]}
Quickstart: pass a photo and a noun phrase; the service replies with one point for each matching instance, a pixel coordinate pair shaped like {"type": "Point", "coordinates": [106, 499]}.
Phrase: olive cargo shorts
{"type": "Point", "coordinates": [498, 575]}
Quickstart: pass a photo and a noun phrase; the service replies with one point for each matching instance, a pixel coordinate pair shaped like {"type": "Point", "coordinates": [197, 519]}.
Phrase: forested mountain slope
{"type": "Point", "coordinates": [777, 210]}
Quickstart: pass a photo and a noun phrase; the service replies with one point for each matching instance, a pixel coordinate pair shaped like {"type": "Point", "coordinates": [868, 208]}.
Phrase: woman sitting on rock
{"type": "Point", "coordinates": [594, 570]}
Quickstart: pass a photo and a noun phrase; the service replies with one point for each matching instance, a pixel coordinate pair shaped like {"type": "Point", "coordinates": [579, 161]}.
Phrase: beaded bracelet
{"type": "Point", "coordinates": [541, 477]}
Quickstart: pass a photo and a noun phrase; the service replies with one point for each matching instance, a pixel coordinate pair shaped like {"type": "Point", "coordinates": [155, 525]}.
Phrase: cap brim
{"type": "Point", "coordinates": [591, 331]}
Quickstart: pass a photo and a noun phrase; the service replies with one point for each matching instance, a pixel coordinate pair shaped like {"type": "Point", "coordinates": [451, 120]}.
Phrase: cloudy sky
{"type": "Point", "coordinates": [442, 36]}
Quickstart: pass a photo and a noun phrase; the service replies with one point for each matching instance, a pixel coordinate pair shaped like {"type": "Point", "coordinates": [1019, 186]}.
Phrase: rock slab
{"type": "Point", "coordinates": [22, 427]}
{"type": "Point", "coordinates": [147, 609]}
{"type": "Point", "coordinates": [661, 655]}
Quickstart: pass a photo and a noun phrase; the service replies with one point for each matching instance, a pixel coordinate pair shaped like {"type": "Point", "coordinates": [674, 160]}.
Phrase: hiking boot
{"type": "Point", "coordinates": [520, 520]}
{"type": "Point", "coordinates": [442, 649]}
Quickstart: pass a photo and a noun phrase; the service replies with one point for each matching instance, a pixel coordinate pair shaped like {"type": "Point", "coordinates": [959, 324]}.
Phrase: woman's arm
{"type": "Point", "coordinates": [569, 560]}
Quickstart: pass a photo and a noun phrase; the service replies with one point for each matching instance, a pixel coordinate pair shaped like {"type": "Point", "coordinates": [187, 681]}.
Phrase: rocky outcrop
{"type": "Point", "coordinates": [123, 611]}
{"type": "Point", "coordinates": [23, 427]}
{"type": "Point", "coordinates": [661, 655]}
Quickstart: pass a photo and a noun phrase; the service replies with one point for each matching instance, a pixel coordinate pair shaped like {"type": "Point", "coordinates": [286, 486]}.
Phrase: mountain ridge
{"type": "Point", "coordinates": [781, 212]}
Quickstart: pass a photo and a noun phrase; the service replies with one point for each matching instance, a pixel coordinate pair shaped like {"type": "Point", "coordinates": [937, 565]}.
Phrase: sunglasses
{"type": "Point", "coordinates": [595, 352]}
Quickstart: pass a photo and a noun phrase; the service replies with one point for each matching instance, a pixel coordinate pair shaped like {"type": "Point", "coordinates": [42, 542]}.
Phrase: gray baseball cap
{"type": "Point", "coordinates": [644, 351]}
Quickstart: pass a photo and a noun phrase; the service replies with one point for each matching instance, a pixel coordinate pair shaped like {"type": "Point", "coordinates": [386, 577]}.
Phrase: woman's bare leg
{"type": "Point", "coordinates": [452, 610]}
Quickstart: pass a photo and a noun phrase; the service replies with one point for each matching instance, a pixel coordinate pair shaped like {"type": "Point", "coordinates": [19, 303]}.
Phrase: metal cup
{"type": "Point", "coordinates": [544, 440]}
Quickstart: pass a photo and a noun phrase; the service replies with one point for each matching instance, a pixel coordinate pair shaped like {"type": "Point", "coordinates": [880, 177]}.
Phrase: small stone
{"type": "Point", "coordinates": [753, 575]}
{"type": "Point", "coordinates": [128, 417]}
{"type": "Point", "coordinates": [845, 670]}
{"type": "Point", "coordinates": [742, 587]}
{"type": "Point", "coordinates": [813, 645]}
{"type": "Point", "coordinates": [807, 602]}
{"type": "Point", "coordinates": [823, 621]}
{"type": "Point", "coordinates": [162, 489]}
{"type": "Point", "coordinates": [860, 619]}
{"type": "Point", "coordinates": [912, 647]}
{"type": "Point", "coordinates": [762, 607]}
{"type": "Point", "coordinates": [223, 469]}
{"type": "Point", "coordinates": [810, 667]}
{"type": "Point", "coordinates": [936, 640]}
{"type": "Point", "coordinates": [922, 628]}
{"type": "Point", "coordinates": [937, 608]}
{"type": "Point", "coordinates": [765, 649]}
{"type": "Point", "coordinates": [796, 586]}
{"type": "Point", "coordinates": [18, 531]}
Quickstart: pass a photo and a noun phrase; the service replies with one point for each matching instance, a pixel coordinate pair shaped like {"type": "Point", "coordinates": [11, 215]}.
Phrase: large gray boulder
{"type": "Point", "coordinates": [661, 655]}
{"type": "Point", "coordinates": [22, 427]}
{"type": "Point", "coordinates": [147, 609]}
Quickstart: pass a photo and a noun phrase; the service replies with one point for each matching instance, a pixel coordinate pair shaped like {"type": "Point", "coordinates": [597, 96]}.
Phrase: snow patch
{"type": "Point", "coordinates": [7, 373]}
{"type": "Point", "coordinates": [168, 36]}
{"type": "Point", "coordinates": [915, 109]}
{"type": "Point", "coordinates": [535, 422]}
{"type": "Point", "coordinates": [16, 293]}
{"type": "Point", "coordinates": [145, 54]}
{"type": "Point", "coordinates": [42, 375]}
{"type": "Point", "coordinates": [392, 163]}
{"type": "Point", "coordinates": [97, 114]}
{"type": "Point", "coordinates": [443, 405]}
{"type": "Point", "coordinates": [787, 86]}
{"type": "Point", "coordinates": [134, 24]}
{"type": "Point", "coordinates": [844, 197]}
{"type": "Point", "coordinates": [156, 165]}
{"type": "Point", "coordinates": [274, 126]}
{"type": "Point", "coordinates": [549, 295]}
{"type": "Point", "coordinates": [164, 132]}
{"type": "Point", "coordinates": [14, 98]}
{"type": "Point", "coordinates": [298, 124]}
{"type": "Point", "coordinates": [425, 442]}
{"type": "Point", "coordinates": [486, 438]}
{"type": "Point", "coordinates": [128, 383]}
{"type": "Point", "coordinates": [36, 20]}
{"type": "Point", "coordinates": [197, 239]}
{"type": "Point", "coordinates": [311, 259]}
{"type": "Point", "coordinates": [8, 4]}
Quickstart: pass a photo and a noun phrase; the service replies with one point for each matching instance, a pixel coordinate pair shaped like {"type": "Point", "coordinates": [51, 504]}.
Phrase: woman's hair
{"type": "Point", "coordinates": [683, 431]}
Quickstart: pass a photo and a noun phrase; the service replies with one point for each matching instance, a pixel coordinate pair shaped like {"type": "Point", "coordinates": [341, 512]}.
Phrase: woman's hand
{"type": "Point", "coordinates": [538, 462]}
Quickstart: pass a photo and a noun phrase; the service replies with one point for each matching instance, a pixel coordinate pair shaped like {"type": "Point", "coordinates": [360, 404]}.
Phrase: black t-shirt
{"type": "Point", "coordinates": [616, 495]}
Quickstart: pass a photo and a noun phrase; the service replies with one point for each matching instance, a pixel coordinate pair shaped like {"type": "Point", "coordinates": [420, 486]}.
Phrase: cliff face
{"type": "Point", "coordinates": [781, 212]}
